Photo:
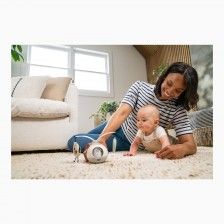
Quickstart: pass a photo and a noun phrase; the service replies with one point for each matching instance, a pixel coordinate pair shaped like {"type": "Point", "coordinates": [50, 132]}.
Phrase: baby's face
{"type": "Point", "coordinates": [146, 123]}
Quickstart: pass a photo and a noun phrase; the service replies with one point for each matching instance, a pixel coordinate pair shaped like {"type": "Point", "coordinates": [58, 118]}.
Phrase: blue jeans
{"type": "Point", "coordinates": [122, 142]}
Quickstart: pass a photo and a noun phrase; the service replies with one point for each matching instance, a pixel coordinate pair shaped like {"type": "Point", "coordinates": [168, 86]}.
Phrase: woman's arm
{"type": "Point", "coordinates": [118, 117]}
{"type": "Point", "coordinates": [185, 147]}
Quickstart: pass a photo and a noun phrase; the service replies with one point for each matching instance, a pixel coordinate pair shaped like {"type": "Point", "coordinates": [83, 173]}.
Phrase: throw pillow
{"type": "Point", "coordinates": [56, 88]}
{"type": "Point", "coordinates": [28, 86]}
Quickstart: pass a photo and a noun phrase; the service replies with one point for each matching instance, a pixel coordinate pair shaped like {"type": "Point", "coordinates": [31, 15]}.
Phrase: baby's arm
{"type": "Point", "coordinates": [134, 147]}
{"type": "Point", "coordinates": [164, 141]}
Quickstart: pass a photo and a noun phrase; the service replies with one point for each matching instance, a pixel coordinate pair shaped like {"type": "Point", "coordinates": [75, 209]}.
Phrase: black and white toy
{"type": "Point", "coordinates": [94, 152]}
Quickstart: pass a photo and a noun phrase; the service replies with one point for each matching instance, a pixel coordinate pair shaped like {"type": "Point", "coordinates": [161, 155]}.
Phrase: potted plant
{"type": "Point", "coordinates": [104, 111]}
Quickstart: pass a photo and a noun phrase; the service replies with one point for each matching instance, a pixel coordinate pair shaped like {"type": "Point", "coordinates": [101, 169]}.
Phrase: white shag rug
{"type": "Point", "coordinates": [60, 165]}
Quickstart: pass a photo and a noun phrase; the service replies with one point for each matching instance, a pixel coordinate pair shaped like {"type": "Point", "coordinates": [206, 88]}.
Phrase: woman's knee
{"type": "Point", "coordinates": [71, 142]}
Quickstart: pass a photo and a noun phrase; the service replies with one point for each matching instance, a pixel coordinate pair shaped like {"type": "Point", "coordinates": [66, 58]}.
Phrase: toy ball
{"type": "Point", "coordinates": [95, 153]}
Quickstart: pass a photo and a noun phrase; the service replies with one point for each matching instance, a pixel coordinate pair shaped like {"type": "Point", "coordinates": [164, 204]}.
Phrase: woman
{"type": "Point", "coordinates": [174, 94]}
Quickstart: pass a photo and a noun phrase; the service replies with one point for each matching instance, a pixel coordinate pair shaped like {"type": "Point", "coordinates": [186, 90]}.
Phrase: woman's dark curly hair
{"type": "Point", "coordinates": [189, 98]}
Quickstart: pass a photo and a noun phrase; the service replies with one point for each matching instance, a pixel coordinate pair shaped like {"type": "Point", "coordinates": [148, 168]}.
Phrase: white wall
{"type": "Point", "coordinates": [128, 67]}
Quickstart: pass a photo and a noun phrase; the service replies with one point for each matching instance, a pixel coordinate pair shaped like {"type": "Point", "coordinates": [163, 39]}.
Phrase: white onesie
{"type": "Point", "coordinates": [152, 142]}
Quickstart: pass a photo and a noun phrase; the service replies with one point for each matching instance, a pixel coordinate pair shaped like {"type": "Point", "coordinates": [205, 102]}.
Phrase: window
{"type": "Point", "coordinates": [90, 69]}
{"type": "Point", "coordinates": [48, 61]}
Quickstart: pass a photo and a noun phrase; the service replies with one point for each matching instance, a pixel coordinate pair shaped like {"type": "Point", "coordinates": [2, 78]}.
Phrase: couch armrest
{"type": "Point", "coordinates": [72, 99]}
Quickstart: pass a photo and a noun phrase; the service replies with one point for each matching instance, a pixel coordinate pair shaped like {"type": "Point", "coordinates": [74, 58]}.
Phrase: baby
{"type": "Point", "coordinates": [150, 134]}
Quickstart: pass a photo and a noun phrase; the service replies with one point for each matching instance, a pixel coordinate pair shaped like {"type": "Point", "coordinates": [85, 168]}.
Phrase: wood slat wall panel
{"type": "Point", "coordinates": [147, 50]}
{"type": "Point", "coordinates": [156, 55]}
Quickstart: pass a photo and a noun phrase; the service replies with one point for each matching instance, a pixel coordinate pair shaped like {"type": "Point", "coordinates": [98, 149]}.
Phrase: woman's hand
{"type": "Point", "coordinates": [101, 141]}
{"type": "Point", "coordinates": [171, 152]}
{"type": "Point", "coordinates": [186, 147]}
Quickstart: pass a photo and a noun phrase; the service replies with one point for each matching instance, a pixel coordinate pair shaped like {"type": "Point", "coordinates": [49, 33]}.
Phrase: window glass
{"type": "Point", "coordinates": [90, 62]}
{"type": "Point", "coordinates": [49, 57]}
{"type": "Point", "coordinates": [91, 81]}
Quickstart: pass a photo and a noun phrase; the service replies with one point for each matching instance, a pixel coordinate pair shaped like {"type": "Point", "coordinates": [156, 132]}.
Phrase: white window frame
{"type": "Point", "coordinates": [89, 50]}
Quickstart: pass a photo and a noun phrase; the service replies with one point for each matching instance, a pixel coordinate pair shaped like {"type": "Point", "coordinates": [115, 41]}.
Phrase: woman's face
{"type": "Point", "coordinates": [173, 85]}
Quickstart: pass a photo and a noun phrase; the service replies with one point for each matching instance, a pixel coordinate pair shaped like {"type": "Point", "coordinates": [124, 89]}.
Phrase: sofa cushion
{"type": "Point", "coordinates": [56, 88]}
{"type": "Point", "coordinates": [38, 108]}
{"type": "Point", "coordinates": [28, 86]}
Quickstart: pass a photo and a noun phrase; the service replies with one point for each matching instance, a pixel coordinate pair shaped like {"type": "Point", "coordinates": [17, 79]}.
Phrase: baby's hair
{"type": "Point", "coordinates": [154, 109]}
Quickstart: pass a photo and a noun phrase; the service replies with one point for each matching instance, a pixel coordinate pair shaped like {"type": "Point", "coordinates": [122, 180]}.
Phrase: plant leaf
{"type": "Point", "coordinates": [19, 48]}
{"type": "Point", "coordinates": [14, 55]}
{"type": "Point", "coordinates": [20, 56]}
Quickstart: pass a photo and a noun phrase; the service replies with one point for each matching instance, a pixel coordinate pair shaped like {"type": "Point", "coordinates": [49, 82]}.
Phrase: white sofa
{"type": "Point", "coordinates": [32, 130]}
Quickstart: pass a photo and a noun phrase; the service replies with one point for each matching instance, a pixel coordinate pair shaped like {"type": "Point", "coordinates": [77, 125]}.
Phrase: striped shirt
{"type": "Point", "coordinates": [141, 94]}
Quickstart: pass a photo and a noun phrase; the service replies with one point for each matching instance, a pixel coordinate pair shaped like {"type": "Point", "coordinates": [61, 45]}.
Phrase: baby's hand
{"type": "Point", "coordinates": [129, 153]}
